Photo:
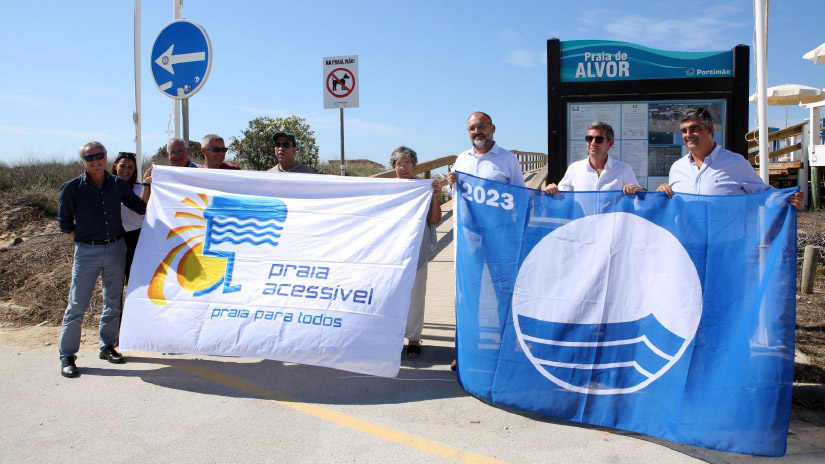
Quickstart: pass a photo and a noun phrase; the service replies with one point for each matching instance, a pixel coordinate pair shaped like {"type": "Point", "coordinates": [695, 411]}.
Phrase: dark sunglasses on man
{"type": "Point", "coordinates": [94, 156]}
{"type": "Point", "coordinates": [597, 138]}
{"type": "Point", "coordinates": [217, 149]}
{"type": "Point", "coordinates": [283, 144]}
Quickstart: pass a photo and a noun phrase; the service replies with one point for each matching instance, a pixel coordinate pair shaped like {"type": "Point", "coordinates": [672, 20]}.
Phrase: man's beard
{"type": "Point", "coordinates": [481, 142]}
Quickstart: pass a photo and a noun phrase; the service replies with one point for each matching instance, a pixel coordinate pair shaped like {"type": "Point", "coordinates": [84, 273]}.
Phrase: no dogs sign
{"type": "Point", "coordinates": [341, 82]}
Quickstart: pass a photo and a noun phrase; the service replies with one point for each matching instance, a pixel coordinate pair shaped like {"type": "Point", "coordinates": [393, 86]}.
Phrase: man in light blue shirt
{"type": "Point", "coordinates": [709, 169]}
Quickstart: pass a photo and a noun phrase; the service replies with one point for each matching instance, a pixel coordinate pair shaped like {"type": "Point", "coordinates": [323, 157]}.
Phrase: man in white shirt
{"type": "Point", "coordinates": [597, 172]}
{"type": "Point", "coordinates": [486, 159]}
{"type": "Point", "coordinates": [709, 169]}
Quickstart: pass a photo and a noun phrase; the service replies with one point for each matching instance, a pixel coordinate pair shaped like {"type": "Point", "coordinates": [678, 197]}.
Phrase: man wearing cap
{"type": "Point", "coordinates": [599, 171]}
{"type": "Point", "coordinates": [214, 153]}
{"type": "Point", "coordinates": [89, 211]}
{"type": "Point", "coordinates": [709, 169]}
{"type": "Point", "coordinates": [285, 149]}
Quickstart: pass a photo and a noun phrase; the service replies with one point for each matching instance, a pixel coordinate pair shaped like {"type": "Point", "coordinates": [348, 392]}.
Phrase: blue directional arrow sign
{"type": "Point", "coordinates": [181, 59]}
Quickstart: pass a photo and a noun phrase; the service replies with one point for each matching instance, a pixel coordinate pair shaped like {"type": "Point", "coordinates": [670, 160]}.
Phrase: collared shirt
{"type": "Point", "coordinates": [297, 167]}
{"type": "Point", "coordinates": [191, 164]}
{"type": "Point", "coordinates": [581, 177]}
{"type": "Point", "coordinates": [497, 164]}
{"type": "Point", "coordinates": [723, 172]}
{"type": "Point", "coordinates": [93, 212]}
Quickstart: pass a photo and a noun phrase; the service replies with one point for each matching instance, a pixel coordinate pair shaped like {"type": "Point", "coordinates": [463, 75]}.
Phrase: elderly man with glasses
{"type": "Point", "coordinates": [214, 153]}
{"type": "Point", "coordinates": [177, 152]}
{"type": "Point", "coordinates": [285, 150]}
{"type": "Point", "coordinates": [599, 171]}
{"type": "Point", "coordinates": [89, 211]}
{"type": "Point", "coordinates": [709, 169]}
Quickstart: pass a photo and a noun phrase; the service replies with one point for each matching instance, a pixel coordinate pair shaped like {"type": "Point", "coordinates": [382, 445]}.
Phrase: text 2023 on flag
{"type": "Point", "coordinates": [669, 317]}
{"type": "Point", "coordinates": [302, 268]}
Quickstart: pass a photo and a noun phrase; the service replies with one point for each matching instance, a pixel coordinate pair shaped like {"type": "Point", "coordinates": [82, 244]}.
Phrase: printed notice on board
{"type": "Point", "coordinates": [634, 154]}
{"type": "Point", "coordinates": [634, 121]}
{"type": "Point", "coordinates": [582, 116]}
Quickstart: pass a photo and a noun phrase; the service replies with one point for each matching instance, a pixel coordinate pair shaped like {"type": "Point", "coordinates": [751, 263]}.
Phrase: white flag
{"type": "Point", "coordinates": [293, 267]}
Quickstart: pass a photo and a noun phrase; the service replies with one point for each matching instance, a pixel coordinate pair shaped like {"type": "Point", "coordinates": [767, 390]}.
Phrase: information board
{"type": "Point", "coordinates": [647, 135]}
{"type": "Point", "coordinates": [641, 91]}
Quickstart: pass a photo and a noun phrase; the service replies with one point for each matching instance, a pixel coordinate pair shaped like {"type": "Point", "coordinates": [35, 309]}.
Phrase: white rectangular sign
{"type": "Point", "coordinates": [341, 81]}
{"type": "Point", "coordinates": [302, 268]}
{"type": "Point", "coordinates": [818, 157]}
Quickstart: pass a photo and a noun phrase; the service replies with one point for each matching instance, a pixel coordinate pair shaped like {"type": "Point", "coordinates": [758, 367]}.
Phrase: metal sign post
{"type": "Point", "coordinates": [185, 112]}
{"type": "Point", "coordinates": [341, 89]}
{"type": "Point", "coordinates": [343, 169]}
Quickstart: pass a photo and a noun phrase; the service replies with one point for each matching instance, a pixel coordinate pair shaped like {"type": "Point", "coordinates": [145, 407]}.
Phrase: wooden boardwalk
{"type": "Point", "coordinates": [439, 309]}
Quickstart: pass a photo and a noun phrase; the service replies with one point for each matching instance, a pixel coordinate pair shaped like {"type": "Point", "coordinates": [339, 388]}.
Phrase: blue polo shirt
{"type": "Point", "coordinates": [93, 212]}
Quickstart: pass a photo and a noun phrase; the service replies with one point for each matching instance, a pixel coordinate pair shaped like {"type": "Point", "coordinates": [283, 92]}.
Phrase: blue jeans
{"type": "Point", "coordinates": [91, 261]}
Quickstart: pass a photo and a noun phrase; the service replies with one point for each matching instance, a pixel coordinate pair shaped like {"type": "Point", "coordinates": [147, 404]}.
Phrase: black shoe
{"type": "Point", "coordinates": [68, 368]}
{"type": "Point", "coordinates": [109, 354]}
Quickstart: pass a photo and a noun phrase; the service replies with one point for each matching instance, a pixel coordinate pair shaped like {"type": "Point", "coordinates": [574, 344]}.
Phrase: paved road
{"type": "Point", "coordinates": [217, 409]}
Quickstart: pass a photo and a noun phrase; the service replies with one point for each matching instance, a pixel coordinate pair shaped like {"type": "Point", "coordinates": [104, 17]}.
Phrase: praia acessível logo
{"type": "Point", "coordinates": [227, 226]}
{"type": "Point", "coordinates": [606, 304]}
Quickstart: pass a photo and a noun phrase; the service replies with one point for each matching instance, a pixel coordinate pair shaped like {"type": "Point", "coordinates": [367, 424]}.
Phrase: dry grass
{"type": "Point", "coordinates": [354, 169]}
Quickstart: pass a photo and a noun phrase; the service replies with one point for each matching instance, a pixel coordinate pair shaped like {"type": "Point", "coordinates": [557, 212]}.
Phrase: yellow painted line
{"type": "Point", "coordinates": [335, 417]}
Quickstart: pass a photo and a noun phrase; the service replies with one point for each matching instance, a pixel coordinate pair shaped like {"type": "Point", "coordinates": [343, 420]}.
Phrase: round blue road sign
{"type": "Point", "coordinates": [181, 59]}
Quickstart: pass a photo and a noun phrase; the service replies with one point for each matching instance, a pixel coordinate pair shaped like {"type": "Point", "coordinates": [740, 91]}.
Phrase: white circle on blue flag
{"type": "Point", "coordinates": [606, 304]}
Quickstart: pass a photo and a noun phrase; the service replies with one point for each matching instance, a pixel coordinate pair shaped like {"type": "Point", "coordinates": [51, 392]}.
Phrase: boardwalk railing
{"type": "Point", "coordinates": [426, 167]}
{"type": "Point", "coordinates": [531, 166]}
{"type": "Point", "coordinates": [530, 161]}
{"type": "Point", "coordinates": [784, 162]}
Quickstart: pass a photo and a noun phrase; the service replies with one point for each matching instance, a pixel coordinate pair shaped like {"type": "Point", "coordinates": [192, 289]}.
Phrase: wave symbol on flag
{"type": "Point", "coordinates": [606, 304]}
{"type": "Point", "coordinates": [619, 355]}
{"type": "Point", "coordinates": [251, 231]}
{"type": "Point", "coordinates": [241, 225]}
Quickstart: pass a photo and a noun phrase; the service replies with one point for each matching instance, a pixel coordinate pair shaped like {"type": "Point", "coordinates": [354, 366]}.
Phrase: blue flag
{"type": "Point", "coordinates": [672, 317]}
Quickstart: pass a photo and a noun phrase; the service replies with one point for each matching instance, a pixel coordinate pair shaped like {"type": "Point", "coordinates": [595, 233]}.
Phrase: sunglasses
{"type": "Point", "coordinates": [597, 138]}
{"type": "Point", "coordinates": [217, 149]}
{"type": "Point", "coordinates": [94, 156]}
{"type": "Point", "coordinates": [283, 144]}
{"type": "Point", "coordinates": [126, 154]}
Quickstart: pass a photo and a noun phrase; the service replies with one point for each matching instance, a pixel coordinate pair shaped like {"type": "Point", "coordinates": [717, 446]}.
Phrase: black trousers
{"type": "Point", "coordinates": [131, 239]}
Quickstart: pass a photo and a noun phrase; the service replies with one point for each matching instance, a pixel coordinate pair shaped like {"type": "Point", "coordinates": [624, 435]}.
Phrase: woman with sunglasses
{"type": "Point", "coordinates": [125, 167]}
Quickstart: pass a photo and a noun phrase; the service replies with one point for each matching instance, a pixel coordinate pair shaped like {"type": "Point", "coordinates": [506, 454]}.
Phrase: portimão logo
{"type": "Point", "coordinates": [205, 260]}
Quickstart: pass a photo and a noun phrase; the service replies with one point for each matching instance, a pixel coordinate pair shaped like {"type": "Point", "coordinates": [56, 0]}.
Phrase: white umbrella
{"type": "Point", "coordinates": [817, 55]}
{"type": "Point", "coordinates": [791, 94]}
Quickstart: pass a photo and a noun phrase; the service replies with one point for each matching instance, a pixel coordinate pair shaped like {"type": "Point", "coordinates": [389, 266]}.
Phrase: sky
{"type": "Point", "coordinates": [68, 74]}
